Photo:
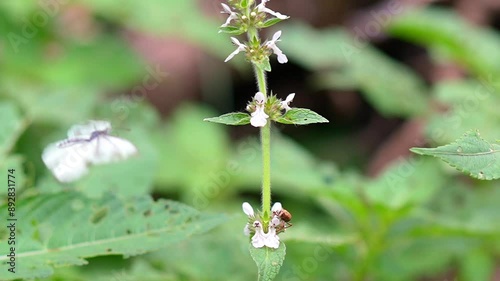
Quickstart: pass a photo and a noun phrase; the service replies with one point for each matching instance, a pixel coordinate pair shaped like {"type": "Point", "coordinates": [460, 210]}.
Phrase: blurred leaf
{"type": "Point", "coordinates": [301, 116]}
{"type": "Point", "coordinates": [295, 170]}
{"type": "Point", "coordinates": [222, 244]}
{"type": "Point", "coordinates": [233, 118]}
{"type": "Point", "coordinates": [391, 87]}
{"type": "Point", "coordinates": [174, 18]}
{"type": "Point", "coordinates": [268, 260]}
{"type": "Point", "coordinates": [41, 103]}
{"type": "Point", "coordinates": [105, 62]}
{"type": "Point", "coordinates": [192, 153]}
{"type": "Point", "coordinates": [469, 154]}
{"type": "Point", "coordinates": [11, 127]}
{"type": "Point", "coordinates": [403, 185]}
{"type": "Point", "coordinates": [477, 265]}
{"type": "Point", "coordinates": [62, 229]}
{"type": "Point", "coordinates": [464, 211]}
{"type": "Point", "coordinates": [448, 34]}
{"type": "Point", "coordinates": [470, 103]}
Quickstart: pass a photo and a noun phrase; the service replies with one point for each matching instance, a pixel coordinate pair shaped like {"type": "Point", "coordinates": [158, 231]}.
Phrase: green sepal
{"type": "Point", "coordinates": [301, 116]}
{"type": "Point", "coordinates": [233, 118]}
{"type": "Point", "coordinates": [264, 64]}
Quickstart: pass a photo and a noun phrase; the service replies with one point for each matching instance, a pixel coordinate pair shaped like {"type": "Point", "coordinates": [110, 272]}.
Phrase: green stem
{"type": "Point", "coordinates": [265, 137]}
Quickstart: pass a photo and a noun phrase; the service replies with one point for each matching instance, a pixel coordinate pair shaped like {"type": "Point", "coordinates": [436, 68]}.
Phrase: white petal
{"type": "Point", "coordinates": [272, 240]}
{"type": "Point", "coordinates": [259, 97]}
{"type": "Point", "coordinates": [284, 104]}
{"type": "Point", "coordinates": [258, 120]}
{"type": "Point", "coordinates": [262, 8]}
{"type": "Point", "coordinates": [247, 209]}
{"type": "Point", "coordinates": [232, 55]}
{"type": "Point", "coordinates": [275, 221]}
{"type": "Point", "coordinates": [289, 98]}
{"type": "Point", "coordinates": [258, 241]}
{"type": "Point", "coordinates": [241, 47]}
{"type": "Point", "coordinates": [226, 8]}
{"type": "Point", "coordinates": [237, 43]}
{"type": "Point", "coordinates": [259, 238]}
{"type": "Point", "coordinates": [276, 36]}
{"type": "Point", "coordinates": [276, 207]}
{"type": "Point", "coordinates": [232, 15]}
{"type": "Point", "coordinates": [282, 58]}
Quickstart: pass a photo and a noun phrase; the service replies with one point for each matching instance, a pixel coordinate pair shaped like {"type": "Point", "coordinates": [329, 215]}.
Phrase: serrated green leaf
{"type": "Point", "coordinates": [63, 229]}
{"type": "Point", "coordinates": [268, 260]}
{"type": "Point", "coordinates": [233, 118]}
{"type": "Point", "coordinates": [301, 116]}
{"type": "Point", "coordinates": [231, 30]}
{"type": "Point", "coordinates": [470, 154]}
{"type": "Point", "coordinates": [270, 22]}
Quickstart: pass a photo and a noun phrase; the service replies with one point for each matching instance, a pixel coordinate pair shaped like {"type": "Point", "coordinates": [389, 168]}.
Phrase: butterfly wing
{"type": "Point", "coordinates": [67, 163]}
{"type": "Point", "coordinates": [111, 149]}
{"type": "Point", "coordinates": [85, 131]}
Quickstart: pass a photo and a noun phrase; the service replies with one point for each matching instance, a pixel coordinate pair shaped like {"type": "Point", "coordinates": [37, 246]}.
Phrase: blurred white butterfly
{"type": "Point", "coordinates": [86, 145]}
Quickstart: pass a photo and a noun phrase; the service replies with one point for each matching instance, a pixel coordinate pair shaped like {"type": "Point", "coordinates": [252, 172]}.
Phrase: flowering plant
{"type": "Point", "coordinates": [250, 17]}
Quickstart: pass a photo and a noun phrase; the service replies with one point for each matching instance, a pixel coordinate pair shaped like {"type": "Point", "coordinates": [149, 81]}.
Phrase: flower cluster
{"type": "Point", "coordinates": [255, 226]}
{"type": "Point", "coordinates": [256, 53]}
{"type": "Point", "coordinates": [243, 20]}
{"type": "Point", "coordinates": [273, 106]}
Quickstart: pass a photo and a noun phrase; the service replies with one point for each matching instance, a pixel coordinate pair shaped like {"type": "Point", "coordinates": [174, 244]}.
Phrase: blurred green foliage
{"type": "Point", "coordinates": [418, 219]}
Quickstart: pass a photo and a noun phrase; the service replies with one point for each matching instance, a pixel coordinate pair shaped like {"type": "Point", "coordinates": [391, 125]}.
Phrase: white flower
{"type": "Point", "coordinates": [248, 210]}
{"type": "Point", "coordinates": [261, 239]}
{"type": "Point", "coordinates": [259, 117]}
{"type": "Point", "coordinates": [262, 8]}
{"type": "Point", "coordinates": [273, 240]}
{"type": "Point", "coordinates": [232, 15]}
{"type": "Point", "coordinates": [272, 45]}
{"type": "Point", "coordinates": [241, 47]}
{"type": "Point", "coordinates": [286, 103]}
